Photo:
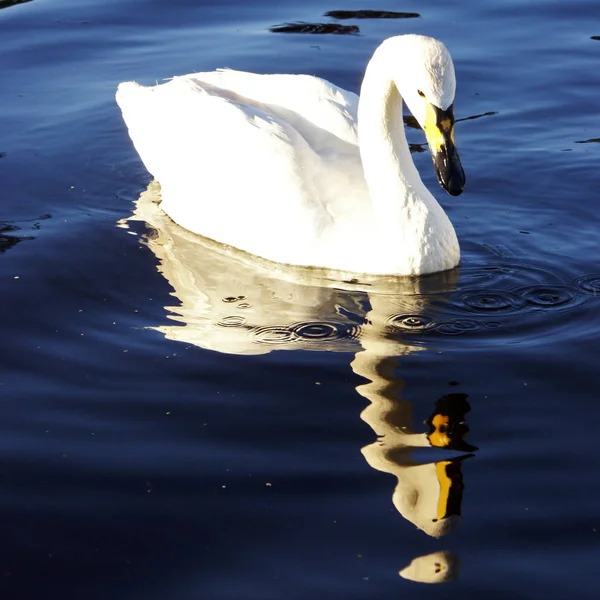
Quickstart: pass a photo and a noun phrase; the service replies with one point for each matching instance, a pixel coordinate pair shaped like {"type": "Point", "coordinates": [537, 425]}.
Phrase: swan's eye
{"type": "Point", "coordinates": [421, 93]}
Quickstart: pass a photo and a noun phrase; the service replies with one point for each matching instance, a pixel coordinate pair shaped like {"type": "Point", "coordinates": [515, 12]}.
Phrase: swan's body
{"type": "Point", "coordinates": [293, 169]}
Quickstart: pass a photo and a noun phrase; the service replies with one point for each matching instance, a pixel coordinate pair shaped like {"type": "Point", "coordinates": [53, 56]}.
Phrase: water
{"type": "Point", "coordinates": [157, 441]}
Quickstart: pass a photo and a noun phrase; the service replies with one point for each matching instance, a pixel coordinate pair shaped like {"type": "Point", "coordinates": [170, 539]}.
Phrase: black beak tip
{"type": "Point", "coordinates": [455, 185]}
{"type": "Point", "coordinates": [454, 188]}
{"type": "Point", "coordinates": [449, 171]}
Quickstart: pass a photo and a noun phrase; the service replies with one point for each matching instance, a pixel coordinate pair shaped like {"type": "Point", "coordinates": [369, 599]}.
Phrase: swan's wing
{"type": "Point", "coordinates": [229, 171]}
{"type": "Point", "coordinates": [323, 113]}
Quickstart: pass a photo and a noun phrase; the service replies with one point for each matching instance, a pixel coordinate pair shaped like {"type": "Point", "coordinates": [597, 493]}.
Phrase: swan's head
{"type": "Point", "coordinates": [426, 81]}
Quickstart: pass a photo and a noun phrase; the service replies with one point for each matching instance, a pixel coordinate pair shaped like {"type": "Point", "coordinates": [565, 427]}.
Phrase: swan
{"type": "Point", "coordinates": [296, 170]}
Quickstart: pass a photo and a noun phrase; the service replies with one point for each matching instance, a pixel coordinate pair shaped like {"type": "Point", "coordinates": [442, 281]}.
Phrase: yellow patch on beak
{"type": "Point", "coordinates": [437, 130]}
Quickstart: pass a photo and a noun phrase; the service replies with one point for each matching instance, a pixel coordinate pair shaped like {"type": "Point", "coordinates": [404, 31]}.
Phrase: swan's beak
{"type": "Point", "coordinates": [439, 129]}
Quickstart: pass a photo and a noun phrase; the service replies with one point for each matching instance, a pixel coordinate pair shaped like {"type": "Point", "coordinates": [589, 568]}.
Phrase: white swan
{"type": "Point", "coordinates": [298, 171]}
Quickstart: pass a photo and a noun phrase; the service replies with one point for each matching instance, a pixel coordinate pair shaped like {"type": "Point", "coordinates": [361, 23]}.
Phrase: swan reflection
{"type": "Point", "coordinates": [429, 495]}
{"type": "Point", "coordinates": [234, 303]}
{"type": "Point", "coordinates": [437, 567]}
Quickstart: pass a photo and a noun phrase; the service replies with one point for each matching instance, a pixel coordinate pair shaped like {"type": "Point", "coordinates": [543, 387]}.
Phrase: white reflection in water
{"type": "Point", "coordinates": [232, 302]}
{"type": "Point", "coordinates": [437, 567]}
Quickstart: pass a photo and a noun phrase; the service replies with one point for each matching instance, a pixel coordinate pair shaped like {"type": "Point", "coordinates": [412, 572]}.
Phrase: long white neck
{"type": "Point", "coordinates": [404, 210]}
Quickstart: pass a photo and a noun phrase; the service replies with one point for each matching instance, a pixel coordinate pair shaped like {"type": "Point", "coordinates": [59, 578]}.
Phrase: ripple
{"type": "Point", "coordinates": [232, 321]}
{"type": "Point", "coordinates": [325, 330]}
{"type": "Point", "coordinates": [509, 273]}
{"type": "Point", "coordinates": [314, 331]}
{"type": "Point", "coordinates": [413, 322]}
{"type": "Point", "coordinates": [458, 327]}
{"type": "Point", "coordinates": [273, 335]}
{"type": "Point", "coordinates": [547, 296]}
{"type": "Point", "coordinates": [590, 284]}
{"type": "Point", "coordinates": [484, 300]}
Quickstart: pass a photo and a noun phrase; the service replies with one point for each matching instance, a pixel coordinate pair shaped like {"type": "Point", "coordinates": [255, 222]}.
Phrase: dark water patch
{"type": "Point", "coordinates": [458, 327]}
{"type": "Point", "coordinates": [316, 28]}
{"type": "Point", "coordinates": [9, 3]}
{"type": "Point", "coordinates": [417, 148]}
{"type": "Point", "coordinates": [370, 14]}
{"type": "Point", "coordinates": [9, 241]}
{"type": "Point", "coordinates": [9, 231]}
{"type": "Point", "coordinates": [81, 22]}
{"type": "Point", "coordinates": [411, 122]}
{"type": "Point", "coordinates": [2, 154]}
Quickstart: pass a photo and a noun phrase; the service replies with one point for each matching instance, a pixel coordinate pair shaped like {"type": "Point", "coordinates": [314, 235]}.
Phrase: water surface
{"type": "Point", "coordinates": [182, 422]}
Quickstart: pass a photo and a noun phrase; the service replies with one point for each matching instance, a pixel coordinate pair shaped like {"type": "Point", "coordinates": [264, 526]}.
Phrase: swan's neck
{"type": "Point", "coordinates": [403, 208]}
{"type": "Point", "coordinates": [390, 173]}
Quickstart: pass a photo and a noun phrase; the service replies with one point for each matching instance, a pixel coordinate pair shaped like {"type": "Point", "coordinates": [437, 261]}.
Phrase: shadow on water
{"type": "Point", "coordinates": [9, 3]}
{"type": "Point", "coordinates": [317, 28]}
{"type": "Point", "coordinates": [234, 303]}
{"type": "Point", "coordinates": [340, 15]}
{"type": "Point", "coordinates": [412, 123]}
{"type": "Point", "coordinates": [370, 14]}
{"type": "Point", "coordinates": [10, 234]}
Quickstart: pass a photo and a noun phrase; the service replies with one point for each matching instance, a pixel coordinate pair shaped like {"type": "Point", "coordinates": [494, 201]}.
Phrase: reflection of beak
{"type": "Point", "coordinates": [439, 129]}
{"type": "Point", "coordinates": [450, 478]}
{"type": "Point", "coordinates": [447, 426]}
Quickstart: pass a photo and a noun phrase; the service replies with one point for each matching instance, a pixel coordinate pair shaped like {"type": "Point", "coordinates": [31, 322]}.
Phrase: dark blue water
{"type": "Point", "coordinates": [180, 423]}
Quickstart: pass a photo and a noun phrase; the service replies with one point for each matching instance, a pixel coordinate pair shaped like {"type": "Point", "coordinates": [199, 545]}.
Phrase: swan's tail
{"type": "Point", "coordinates": [138, 107]}
{"type": "Point", "coordinates": [128, 93]}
